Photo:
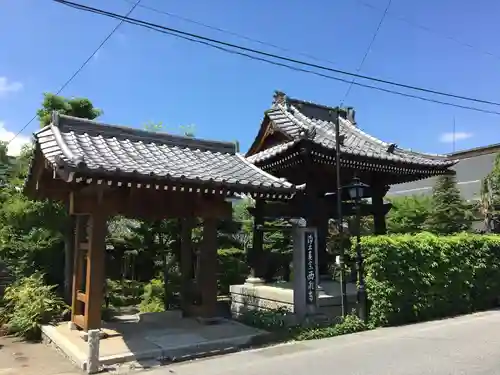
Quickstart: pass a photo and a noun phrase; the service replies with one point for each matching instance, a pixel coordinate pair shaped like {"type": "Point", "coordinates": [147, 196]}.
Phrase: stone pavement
{"type": "Point", "coordinates": [23, 358]}
{"type": "Point", "coordinates": [467, 345]}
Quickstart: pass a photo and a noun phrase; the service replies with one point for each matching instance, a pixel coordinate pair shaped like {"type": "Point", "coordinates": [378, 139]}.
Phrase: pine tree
{"type": "Point", "coordinates": [449, 212]}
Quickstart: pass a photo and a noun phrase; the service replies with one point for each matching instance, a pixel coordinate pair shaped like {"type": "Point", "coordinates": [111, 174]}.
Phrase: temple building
{"type": "Point", "coordinates": [99, 170]}
{"type": "Point", "coordinates": [296, 142]}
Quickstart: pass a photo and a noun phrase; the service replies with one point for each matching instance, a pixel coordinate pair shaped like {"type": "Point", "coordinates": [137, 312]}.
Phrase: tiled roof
{"type": "Point", "coordinates": [298, 119]}
{"type": "Point", "coordinates": [89, 148]}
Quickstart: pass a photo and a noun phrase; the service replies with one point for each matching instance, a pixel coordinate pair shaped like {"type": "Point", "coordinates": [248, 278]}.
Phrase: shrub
{"type": "Point", "coordinates": [29, 304]}
{"type": "Point", "coordinates": [153, 299]}
{"type": "Point", "coordinates": [422, 277]}
{"type": "Point", "coordinates": [346, 325]}
{"type": "Point", "coordinates": [124, 292]}
{"type": "Point", "coordinates": [233, 268]}
{"type": "Point", "coordinates": [269, 320]}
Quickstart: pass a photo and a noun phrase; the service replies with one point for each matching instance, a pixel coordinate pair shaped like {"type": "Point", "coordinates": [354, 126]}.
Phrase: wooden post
{"type": "Point", "coordinates": [187, 269]}
{"type": "Point", "coordinates": [257, 261]}
{"type": "Point", "coordinates": [208, 268]}
{"type": "Point", "coordinates": [69, 254]}
{"type": "Point", "coordinates": [95, 271]}
{"type": "Point", "coordinates": [78, 297]}
{"type": "Point", "coordinates": [379, 224]}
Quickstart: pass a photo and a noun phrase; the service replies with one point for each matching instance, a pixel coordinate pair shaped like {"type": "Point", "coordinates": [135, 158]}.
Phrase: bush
{"type": "Point", "coordinates": [347, 325]}
{"type": "Point", "coordinates": [233, 268]}
{"type": "Point", "coordinates": [269, 320]}
{"type": "Point", "coordinates": [124, 292]}
{"type": "Point", "coordinates": [29, 304]}
{"type": "Point", "coordinates": [422, 277]}
{"type": "Point", "coordinates": [153, 299]}
{"type": "Point", "coordinates": [276, 321]}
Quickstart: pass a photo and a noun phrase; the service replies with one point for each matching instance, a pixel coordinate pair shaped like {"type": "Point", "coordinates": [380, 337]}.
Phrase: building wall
{"type": "Point", "coordinates": [473, 166]}
{"type": "Point", "coordinates": [470, 172]}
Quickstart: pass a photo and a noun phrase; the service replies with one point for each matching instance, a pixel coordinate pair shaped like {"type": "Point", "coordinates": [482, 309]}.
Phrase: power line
{"type": "Point", "coordinates": [73, 76]}
{"type": "Point", "coordinates": [367, 50]}
{"type": "Point", "coordinates": [178, 32]}
{"type": "Point", "coordinates": [161, 29]}
{"type": "Point", "coordinates": [229, 32]}
{"type": "Point", "coordinates": [430, 30]}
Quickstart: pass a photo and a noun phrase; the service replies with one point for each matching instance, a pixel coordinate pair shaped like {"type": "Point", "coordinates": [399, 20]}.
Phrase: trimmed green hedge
{"type": "Point", "coordinates": [411, 278]}
{"type": "Point", "coordinates": [232, 268]}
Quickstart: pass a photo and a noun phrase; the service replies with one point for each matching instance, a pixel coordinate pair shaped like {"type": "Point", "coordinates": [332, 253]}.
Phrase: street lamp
{"type": "Point", "coordinates": [356, 192]}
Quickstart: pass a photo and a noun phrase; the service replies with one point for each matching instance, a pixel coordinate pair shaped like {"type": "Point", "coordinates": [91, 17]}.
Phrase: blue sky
{"type": "Point", "coordinates": [142, 76]}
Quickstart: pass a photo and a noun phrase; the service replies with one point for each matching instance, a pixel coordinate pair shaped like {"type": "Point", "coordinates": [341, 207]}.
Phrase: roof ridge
{"type": "Point", "coordinates": [322, 106]}
{"type": "Point", "coordinates": [67, 123]}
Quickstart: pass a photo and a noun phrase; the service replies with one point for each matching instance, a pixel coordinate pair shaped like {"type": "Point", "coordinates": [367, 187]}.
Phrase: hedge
{"type": "Point", "coordinates": [411, 278]}
{"type": "Point", "coordinates": [232, 268]}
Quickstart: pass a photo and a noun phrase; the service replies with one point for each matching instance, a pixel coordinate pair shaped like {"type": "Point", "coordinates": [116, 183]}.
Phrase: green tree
{"type": "Point", "coordinates": [449, 212]}
{"type": "Point", "coordinates": [32, 232]}
{"type": "Point", "coordinates": [408, 214]}
{"type": "Point", "coordinates": [489, 203]}
{"type": "Point", "coordinates": [77, 107]}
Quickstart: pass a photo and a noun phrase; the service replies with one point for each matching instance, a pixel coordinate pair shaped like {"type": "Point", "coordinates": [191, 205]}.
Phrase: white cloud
{"type": "Point", "coordinates": [17, 143]}
{"type": "Point", "coordinates": [454, 137]}
{"type": "Point", "coordinates": [7, 86]}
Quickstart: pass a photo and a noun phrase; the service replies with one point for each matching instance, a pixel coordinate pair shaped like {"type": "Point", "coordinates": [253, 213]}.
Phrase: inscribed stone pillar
{"type": "Point", "coordinates": [305, 271]}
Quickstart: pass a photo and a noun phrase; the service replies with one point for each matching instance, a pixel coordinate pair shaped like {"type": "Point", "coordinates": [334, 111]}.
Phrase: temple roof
{"type": "Point", "coordinates": [299, 120]}
{"type": "Point", "coordinates": [78, 149]}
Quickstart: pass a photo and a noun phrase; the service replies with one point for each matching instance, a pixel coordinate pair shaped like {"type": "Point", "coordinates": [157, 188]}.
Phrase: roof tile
{"type": "Point", "coordinates": [356, 141]}
{"type": "Point", "coordinates": [91, 148]}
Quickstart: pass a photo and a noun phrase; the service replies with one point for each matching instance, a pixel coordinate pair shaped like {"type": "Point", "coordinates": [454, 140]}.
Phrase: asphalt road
{"type": "Point", "coordinates": [466, 345]}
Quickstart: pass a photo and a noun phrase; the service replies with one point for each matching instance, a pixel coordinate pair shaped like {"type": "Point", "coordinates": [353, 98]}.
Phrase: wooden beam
{"type": "Point", "coordinates": [275, 210]}
{"type": "Point", "coordinates": [150, 204]}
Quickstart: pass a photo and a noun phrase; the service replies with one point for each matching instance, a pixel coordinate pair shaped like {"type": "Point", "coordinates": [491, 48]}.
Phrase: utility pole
{"type": "Point", "coordinates": [454, 133]}
{"type": "Point", "coordinates": [343, 289]}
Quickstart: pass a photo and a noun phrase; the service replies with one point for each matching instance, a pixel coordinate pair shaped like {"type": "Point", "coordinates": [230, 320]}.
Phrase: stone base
{"type": "Point", "coordinates": [248, 297]}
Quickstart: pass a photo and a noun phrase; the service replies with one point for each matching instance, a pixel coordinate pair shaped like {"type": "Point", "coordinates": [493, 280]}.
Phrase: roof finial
{"type": "Point", "coordinates": [279, 97]}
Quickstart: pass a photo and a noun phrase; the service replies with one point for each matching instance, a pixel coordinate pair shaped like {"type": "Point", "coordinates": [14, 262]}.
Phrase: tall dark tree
{"type": "Point", "coordinates": [449, 212]}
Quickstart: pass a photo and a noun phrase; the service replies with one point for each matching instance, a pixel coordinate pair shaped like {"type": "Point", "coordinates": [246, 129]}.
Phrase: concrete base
{"type": "Point", "coordinates": [165, 339]}
{"type": "Point", "coordinates": [264, 297]}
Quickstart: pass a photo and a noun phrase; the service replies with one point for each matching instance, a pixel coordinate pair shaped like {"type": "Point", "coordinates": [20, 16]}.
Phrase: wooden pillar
{"type": "Point", "coordinates": [379, 224]}
{"type": "Point", "coordinates": [208, 268]}
{"type": "Point", "coordinates": [69, 252]}
{"type": "Point", "coordinates": [256, 255]}
{"type": "Point", "coordinates": [95, 277]}
{"type": "Point", "coordinates": [187, 267]}
{"type": "Point", "coordinates": [78, 298]}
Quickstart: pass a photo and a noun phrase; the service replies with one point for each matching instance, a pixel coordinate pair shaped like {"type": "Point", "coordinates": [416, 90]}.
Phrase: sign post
{"type": "Point", "coordinates": [305, 270]}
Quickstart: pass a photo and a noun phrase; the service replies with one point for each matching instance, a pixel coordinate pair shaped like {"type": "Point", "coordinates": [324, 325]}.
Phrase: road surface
{"type": "Point", "coordinates": [465, 345]}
